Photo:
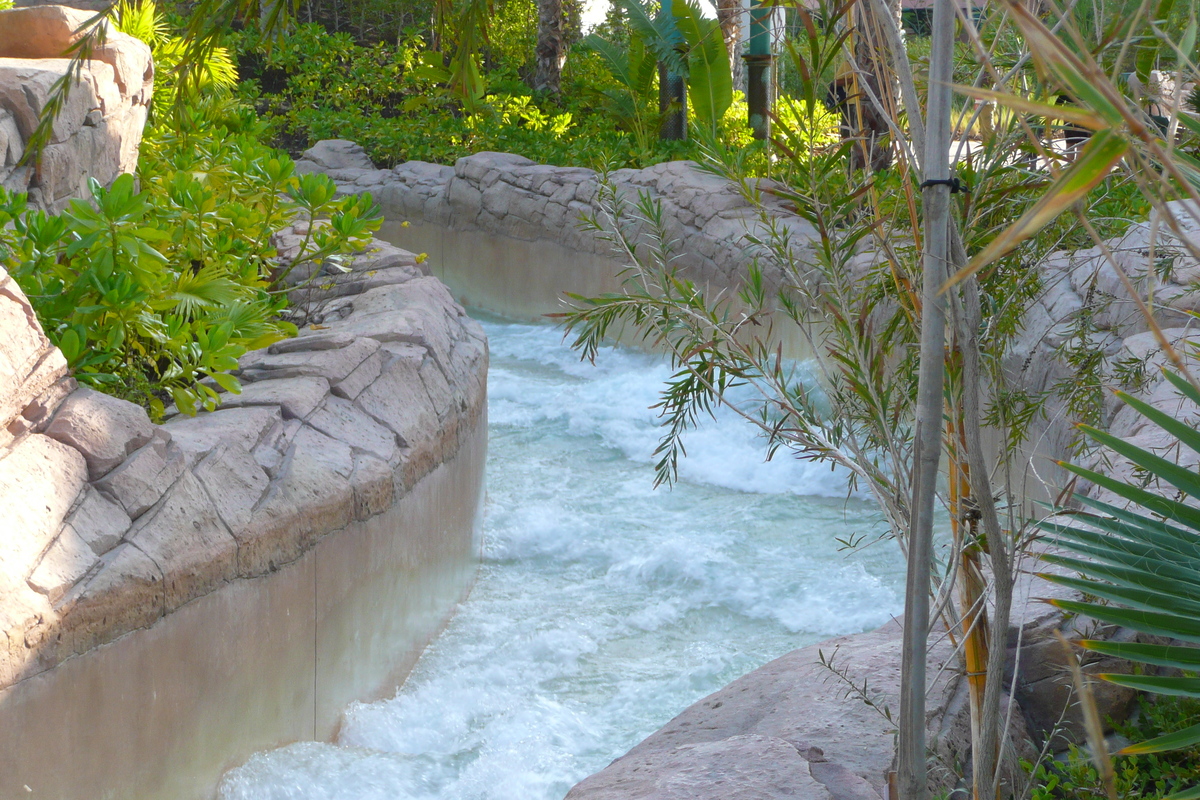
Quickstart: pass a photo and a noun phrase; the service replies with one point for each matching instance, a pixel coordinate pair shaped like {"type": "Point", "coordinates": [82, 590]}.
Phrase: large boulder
{"type": "Point", "coordinates": [97, 132]}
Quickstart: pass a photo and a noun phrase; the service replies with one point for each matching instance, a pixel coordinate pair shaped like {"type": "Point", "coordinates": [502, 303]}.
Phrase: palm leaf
{"type": "Point", "coordinates": [1162, 655]}
{"type": "Point", "coordinates": [1145, 568]}
{"type": "Point", "coordinates": [710, 81]}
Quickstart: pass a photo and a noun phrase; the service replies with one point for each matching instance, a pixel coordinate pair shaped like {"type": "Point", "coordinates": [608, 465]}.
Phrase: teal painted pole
{"type": "Point", "coordinates": [758, 68]}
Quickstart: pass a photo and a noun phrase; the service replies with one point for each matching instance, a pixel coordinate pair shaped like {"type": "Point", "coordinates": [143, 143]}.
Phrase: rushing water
{"type": "Point", "coordinates": [603, 607]}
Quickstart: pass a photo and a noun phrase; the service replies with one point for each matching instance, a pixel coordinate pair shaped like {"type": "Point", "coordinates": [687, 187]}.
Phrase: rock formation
{"type": "Point", "coordinates": [97, 132]}
{"type": "Point", "coordinates": [122, 521]}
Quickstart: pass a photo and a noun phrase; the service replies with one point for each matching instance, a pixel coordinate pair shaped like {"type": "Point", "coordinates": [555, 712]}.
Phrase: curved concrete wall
{"type": "Point", "coordinates": [261, 662]}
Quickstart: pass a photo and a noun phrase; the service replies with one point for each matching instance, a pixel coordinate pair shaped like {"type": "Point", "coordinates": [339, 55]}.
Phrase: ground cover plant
{"type": "Point", "coordinates": [400, 101]}
{"type": "Point", "coordinates": [1134, 776]}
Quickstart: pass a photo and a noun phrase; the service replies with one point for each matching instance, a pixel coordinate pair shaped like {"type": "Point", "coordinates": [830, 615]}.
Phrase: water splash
{"type": "Point", "coordinates": [603, 607]}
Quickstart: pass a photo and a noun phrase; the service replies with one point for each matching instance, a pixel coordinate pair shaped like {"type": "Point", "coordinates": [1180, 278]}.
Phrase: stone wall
{"type": "Point", "coordinates": [97, 132]}
{"type": "Point", "coordinates": [116, 526]}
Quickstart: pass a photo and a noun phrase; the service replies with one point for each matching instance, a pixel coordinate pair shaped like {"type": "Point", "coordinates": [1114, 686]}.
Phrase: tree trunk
{"type": "Point", "coordinates": [551, 46]}
{"type": "Point", "coordinates": [729, 15]}
{"type": "Point", "coordinates": [672, 92]}
{"type": "Point", "coordinates": [913, 776]}
{"type": "Point", "coordinates": [876, 87]}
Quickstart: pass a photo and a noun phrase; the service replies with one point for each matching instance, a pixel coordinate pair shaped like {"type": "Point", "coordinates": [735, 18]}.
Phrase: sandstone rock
{"type": "Point", "coordinates": [186, 539]}
{"type": "Point", "coordinates": [296, 397]}
{"type": "Point", "coordinates": [234, 481]}
{"type": "Point", "coordinates": [98, 521]}
{"type": "Point", "coordinates": [337, 154]}
{"type": "Point", "coordinates": [105, 429]}
{"type": "Point", "coordinates": [397, 399]}
{"type": "Point", "coordinates": [124, 594]}
{"type": "Point", "coordinates": [797, 700]}
{"type": "Point", "coordinates": [373, 485]}
{"type": "Point", "coordinates": [311, 341]}
{"type": "Point", "coordinates": [97, 132]}
{"type": "Point", "coordinates": [28, 363]}
{"type": "Point", "coordinates": [416, 312]}
{"type": "Point", "coordinates": [41, 31]}
{"type": "Point", "coordinates": [66, 562]}
{"type": "Point", "coordinates": [40, 411]}
{"type": "Point", "coordinates": [39, 480]}
{"type": "Point", "coordinates": [247, 426]}
{"type": "Point", "coordinates": [26, 620]}
{"type": "Point", "coordinates": [332, 364]}
{"type": "Point", "coordinates": [342, 420]}
{"type": "Point", "coordinates": [310, 497]}
{"type": "Point", "coordinates": [146, 475]}
{"type": "Point", "coordinates": [362, 377]}
{"type": "Point", "coordinates": [476, 166]}
{"type": "Point", "coordinates": [746, 767]}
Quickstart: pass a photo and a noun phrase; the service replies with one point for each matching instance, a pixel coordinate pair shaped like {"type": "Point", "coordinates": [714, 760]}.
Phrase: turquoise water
{"type": "Point", "coordinates": [603, 607]}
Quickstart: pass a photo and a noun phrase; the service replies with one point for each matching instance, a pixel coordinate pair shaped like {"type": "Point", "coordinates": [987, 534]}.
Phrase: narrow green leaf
{"type": "Point", "coordinates": [1161, 655]}
{"type": "Point", "coordinates": [1157, 503]}
{"type": "Point", "coordinates": [1144, 621]}
{"type": "Point", "coordinates": [1158, 684]}
{"type": "Point", "coordinates": [1183, 479]}
{"type": "Point", "coordinates": [1072, 114]}
{"type": "Point", "coordinates": [1172, 741]}
{"type": "Point", "coordinates": [1184, 433]}
{"type": "Point", "coordinates": [1098, 157]}
{"type": "Point", "coordinates": [1131, 597]}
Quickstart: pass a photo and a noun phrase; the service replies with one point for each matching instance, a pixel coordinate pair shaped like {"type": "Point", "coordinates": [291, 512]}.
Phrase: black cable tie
{"type": "Point", "coordinates": [955, 184]}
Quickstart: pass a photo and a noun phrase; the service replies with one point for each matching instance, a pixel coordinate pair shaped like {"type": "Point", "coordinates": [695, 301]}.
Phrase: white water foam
{"type": "Point", "coordinates": [603, 607]}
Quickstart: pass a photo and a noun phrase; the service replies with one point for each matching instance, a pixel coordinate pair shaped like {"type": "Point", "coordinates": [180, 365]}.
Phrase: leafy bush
{"type": "Point", "coordinates": [153, 295]}
{"type": "Point", "coordinates": [390, 98]}
{"type": "Point", "coordinates": [1152, 775]}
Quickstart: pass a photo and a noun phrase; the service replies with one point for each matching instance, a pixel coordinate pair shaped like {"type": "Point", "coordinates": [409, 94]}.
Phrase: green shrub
{"type": "Point", "coordinates": [312, 85]}
{"type": "Point", "coordinates": [1140, 776]}
{"type": "Point", "coordinates": [153, 295]}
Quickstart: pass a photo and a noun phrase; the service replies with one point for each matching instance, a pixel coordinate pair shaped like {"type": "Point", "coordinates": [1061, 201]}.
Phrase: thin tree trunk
{"type": "Point", "coordinates": [870, 122]}
{"type": "Point", "coordinates": [912, 777]}
{"type": "Point", "coordinates": [729, 15]}
{"type": "Point", "coordinates": [551, 46]}
{"type": "Point", "coordinates": [988, 748]}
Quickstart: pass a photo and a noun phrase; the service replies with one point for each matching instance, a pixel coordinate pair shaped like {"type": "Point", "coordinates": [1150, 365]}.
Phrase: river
{"type": "Point", "coordinates": [603, 606]}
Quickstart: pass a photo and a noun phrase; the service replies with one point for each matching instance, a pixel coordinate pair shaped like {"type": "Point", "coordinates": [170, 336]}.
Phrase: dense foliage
{"type": "Point", "coordinates": [154, 294]}
{"type": "Point", "coordinates": [394, 100]}
{"type": "Point", "coordinates": [1137, 776]}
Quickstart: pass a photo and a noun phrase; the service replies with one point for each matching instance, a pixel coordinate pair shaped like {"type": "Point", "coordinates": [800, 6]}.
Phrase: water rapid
{"type": "Point", "coordinates": [603, 607]}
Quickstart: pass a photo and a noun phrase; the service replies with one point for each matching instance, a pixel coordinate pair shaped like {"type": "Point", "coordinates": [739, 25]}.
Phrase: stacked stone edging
{"type": "Point", "coordinates": [97, 132]}
{"type": "Point", "coordinates": [501, 194]}
{"type": "Point", "coordinates": [115, 522]}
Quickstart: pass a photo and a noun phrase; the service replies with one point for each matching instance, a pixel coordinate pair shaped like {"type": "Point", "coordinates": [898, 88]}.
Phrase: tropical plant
{"type": "Point", "coordinates": [709, 79]}
{"type": "Point", "coordinates": [1141, 563]}
{"type": "Point", "coordinates": [1134, 776]}
{"type": "Point", "coordinates": [154, 294]}
{"type": "Point", "coordinates": [143, 20]}
{"type": "Point", "coordinates": [634, 69]}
